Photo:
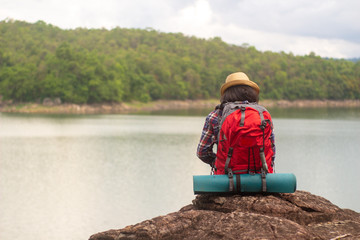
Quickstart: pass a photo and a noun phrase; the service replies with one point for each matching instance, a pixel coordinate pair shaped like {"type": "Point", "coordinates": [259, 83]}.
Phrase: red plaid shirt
{"type": "Point", "coordinates": [209, 137]}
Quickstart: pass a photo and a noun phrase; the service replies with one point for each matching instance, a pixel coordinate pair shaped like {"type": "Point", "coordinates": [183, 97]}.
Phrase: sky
{"type": "Point", "coordinates": [329, 28]}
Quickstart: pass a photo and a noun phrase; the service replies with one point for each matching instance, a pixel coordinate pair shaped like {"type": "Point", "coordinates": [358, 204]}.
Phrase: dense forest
{"type": "Point", "coordinates": [40, 61]}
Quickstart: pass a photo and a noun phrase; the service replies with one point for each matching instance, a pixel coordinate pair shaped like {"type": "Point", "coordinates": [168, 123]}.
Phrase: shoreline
{"type": "Point", "coordinates": [160, 105]}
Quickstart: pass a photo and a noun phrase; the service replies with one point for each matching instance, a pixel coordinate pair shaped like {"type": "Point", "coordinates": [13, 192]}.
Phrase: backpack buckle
{"type": "Point", "coordinates": [263, 124]}
{"type": "Point", "coordinates": [231, 180]}
{"type": "Point", "coordinates": [242, 120]}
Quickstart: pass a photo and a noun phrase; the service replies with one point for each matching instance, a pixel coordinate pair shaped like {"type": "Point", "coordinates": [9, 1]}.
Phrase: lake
{"type": "Point", "coordinates": [68, 177]}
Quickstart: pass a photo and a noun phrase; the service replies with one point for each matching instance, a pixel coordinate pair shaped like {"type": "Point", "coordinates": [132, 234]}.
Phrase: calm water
{"type": "Point", "coordinates": [67, 177]}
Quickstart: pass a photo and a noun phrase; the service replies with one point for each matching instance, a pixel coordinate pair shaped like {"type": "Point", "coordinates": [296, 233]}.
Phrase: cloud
{"type": "Point", "coordinates": [328, 28]}
{"type": "Point", "coordinates": [316, 18]}
{"type": "Point", "coordinates": [296, 44]}
{"type": "Point", "coordinates": [198, 14]}
{"type": "Point", "coordinates": [193, 19]}
{"type": "Point", "coordinates": [201, 20]}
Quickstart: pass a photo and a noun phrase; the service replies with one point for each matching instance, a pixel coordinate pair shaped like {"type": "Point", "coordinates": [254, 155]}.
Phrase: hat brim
{"type": "Point", "coordinates": [239, 82]}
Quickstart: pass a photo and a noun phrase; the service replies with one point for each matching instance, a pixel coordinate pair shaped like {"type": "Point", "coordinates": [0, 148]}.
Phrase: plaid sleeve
{"type": "Point", "coordinates": [208, 138]}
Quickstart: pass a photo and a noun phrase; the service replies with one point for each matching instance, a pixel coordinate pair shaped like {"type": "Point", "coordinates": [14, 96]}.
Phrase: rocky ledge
{"type": "Point", "coordinates": [300, 215]}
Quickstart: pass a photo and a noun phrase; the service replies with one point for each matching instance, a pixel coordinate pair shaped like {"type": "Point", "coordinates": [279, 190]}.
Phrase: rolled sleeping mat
{"type": "Point", "coordinates": [275, 183]}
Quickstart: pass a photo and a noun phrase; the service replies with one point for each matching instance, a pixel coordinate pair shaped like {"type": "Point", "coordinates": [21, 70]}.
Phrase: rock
{"type": "Point", "coordinates": [300, 215]}
{"type": "Point", "coordinates": [57, 101]}
{"type": "Point", "coordinates": [48, 102]}
{"type": "Point", "coordinates": [51, 102]}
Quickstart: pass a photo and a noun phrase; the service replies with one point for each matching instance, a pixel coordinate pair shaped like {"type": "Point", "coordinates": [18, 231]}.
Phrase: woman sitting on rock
{"type": "Point", "coordinates": [241, 129]}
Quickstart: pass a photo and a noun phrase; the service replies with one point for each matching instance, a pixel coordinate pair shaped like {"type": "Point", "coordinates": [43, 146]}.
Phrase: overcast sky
{"type": "Point", "coordinates": [330, 28]}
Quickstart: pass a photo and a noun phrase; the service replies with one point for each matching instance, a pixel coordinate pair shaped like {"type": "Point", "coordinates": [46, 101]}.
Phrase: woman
{"type": "Point", "coordinates": [237, 88]}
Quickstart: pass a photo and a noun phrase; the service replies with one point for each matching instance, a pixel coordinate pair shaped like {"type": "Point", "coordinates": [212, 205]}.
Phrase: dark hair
{"type": "Point", "coordinates": [239, 93]}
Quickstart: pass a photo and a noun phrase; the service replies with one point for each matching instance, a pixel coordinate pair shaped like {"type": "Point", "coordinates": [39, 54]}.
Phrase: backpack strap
{"type": "Point", "coordinates": [238, 183]}
{"type": "Point", "coordinates": [230, 152]}
{"type": "Point", "coordinates": [264, 169]}
{"type": "Point", "coordinates": [262, 119]}
{"type": "Point", "coordinates": [263, 180]}
{"type": "Point", "coordinates": [263, 160]}
{"type": "Point", "coordinates": [231, 181]}
{"type": "Point", "coordinates": [228, 170]}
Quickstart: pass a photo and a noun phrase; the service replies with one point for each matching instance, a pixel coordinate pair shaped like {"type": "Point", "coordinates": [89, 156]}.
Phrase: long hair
{"type": "Point", "coordinates": [239, 93]}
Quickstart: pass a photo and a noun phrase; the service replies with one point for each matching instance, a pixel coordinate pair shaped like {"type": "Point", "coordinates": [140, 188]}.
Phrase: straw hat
{"type": "Point", "coordinates": [238, 78]}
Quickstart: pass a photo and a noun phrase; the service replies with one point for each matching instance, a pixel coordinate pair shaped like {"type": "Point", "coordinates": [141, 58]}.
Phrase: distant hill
{"type": "Point", "coordinates": [354, 59]}
{"type": "Point", "coordinates": [40, 61]}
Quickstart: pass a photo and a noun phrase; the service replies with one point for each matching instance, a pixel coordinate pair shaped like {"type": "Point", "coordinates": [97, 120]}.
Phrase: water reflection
{"type": "Point", "coordinates": [69, 177]}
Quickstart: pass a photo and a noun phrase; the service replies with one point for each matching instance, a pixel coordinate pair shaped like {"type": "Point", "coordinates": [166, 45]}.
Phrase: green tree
{"type": "Point", "coordinates": [98, 65]}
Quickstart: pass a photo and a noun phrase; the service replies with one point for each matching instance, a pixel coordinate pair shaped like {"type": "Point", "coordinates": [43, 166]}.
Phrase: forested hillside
{"type": "Point", "coordinates": [98, 65]}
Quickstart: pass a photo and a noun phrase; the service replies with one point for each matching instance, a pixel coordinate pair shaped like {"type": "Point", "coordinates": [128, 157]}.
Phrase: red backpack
{"type": "Point", "coordinates": [245, 144]}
